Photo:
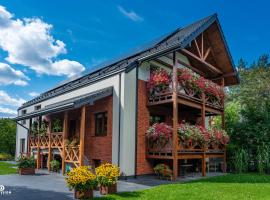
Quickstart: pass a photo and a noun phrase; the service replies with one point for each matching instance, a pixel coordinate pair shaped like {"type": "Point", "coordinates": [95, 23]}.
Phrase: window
{"type": "Point", "coordinates": [101, 124]}
{"type": "Point", "coordinates": [24, 113]}
{"type": "Point", "coordinates": [156, 119]}
{"type": "Point", "coordinates": [22, 145]}
{"type": "Point", "coordinates": [38, 107]}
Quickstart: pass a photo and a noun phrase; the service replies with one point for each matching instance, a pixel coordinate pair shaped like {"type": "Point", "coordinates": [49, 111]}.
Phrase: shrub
{"type": "Point", "coordinates": [163, 170]}
{"type": "Point", "coordinates": [25, 162]}
{"type": "Point", "coordinates": [5, 157]}
{"type": "Point", "coordinates": [81, 179]}
{"type": "Point", "coordinates": [241, 160]}
{"type": "Point", "coordinates": [55, 165]}
{"type": "Point", "coordinates": [107, 174]}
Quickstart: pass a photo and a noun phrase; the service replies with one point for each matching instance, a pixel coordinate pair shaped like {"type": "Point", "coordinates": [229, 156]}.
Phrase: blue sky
{"type": "Point", "coordinates": [44, 43]}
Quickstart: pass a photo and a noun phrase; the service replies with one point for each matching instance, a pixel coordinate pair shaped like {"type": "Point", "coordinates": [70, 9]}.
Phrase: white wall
{"type": "Point", "coordinates": [128, 125]}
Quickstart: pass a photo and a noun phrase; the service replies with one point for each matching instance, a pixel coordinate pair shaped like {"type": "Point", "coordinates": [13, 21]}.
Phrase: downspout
{"type": "Point", "coordinates": [136, 120]}
{"type": "Point", "coordinates": [119, 118]}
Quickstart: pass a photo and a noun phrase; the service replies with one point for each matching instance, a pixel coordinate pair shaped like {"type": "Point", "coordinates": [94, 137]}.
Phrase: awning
{"type": "Point", "coordinates": [69, 104]}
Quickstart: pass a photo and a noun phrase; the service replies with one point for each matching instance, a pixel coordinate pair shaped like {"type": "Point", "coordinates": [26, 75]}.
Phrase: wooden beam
{"type": "Point", "coordinates": [211, 67]}
{"type": "Point", "coordinates": [38, 152]}
{"type": "Point", "coordinates": [197, 47]}
{"type": "Point", "coordinates": [207, 53]}
{"type": "Point", "coordinates": [65, 130]}
{"type": "Point", "coordinates": [175, 119]}
{"type": "Point", "coordinates": [202, 46]}
{"type": "Point", "coordinates": [50, 147]}
{"type": "Point", "coordinates": [28, 141]}
{"type": "Point", "coordinates": [180, 62]}
{"type": "Point", "coordinates": [82, 135]}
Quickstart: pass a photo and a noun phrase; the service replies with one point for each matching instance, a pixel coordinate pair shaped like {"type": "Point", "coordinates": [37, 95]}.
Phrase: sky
{"type": "Point", "coordinates": [43, 43]}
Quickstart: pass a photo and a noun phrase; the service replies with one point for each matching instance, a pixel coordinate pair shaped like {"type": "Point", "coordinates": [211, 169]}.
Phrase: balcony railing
{"type": "Point", "coordinates": [186, 94]}
{"type": "Point", "coordinates": [184, 148]}
{"type": "Point", "coordinates": [192, 89]}
{"type": "Point", "coordinates": [72, 154]}
{"type": "Point", "coordinates": [43, 141]}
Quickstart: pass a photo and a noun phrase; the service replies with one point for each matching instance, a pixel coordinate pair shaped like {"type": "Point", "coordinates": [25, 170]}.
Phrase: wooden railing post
{"type": "Point", "coordinates": [28, 138]}
{"type": "Point", "coordinates": [65, 127]}
{"type": "Point", "coordinates": [82, 136]}
{"type": "Point", "coordinates": [38, 152]}
{"type": "Point", "coordinates": [203, 125]}
{"type": "Point", "coordinates": [175, 118]}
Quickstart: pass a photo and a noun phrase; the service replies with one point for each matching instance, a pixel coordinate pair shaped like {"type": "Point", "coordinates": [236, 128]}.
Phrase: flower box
{"type": "Point", "coordinates": [26, 171]}
{"type": "Point", "coordinates": [111, 189]}
{"type": "Point", "coordinates": [88, 194]}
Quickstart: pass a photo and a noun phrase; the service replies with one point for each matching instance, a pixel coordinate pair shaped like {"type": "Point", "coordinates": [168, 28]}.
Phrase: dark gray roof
{"type": "Point", "coordinates": [72, 103]}
{"type": "Point", "coordinates": [179, 38]}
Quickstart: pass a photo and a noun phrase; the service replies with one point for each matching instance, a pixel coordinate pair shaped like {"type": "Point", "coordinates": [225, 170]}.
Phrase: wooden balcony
{"type": "Point", "coordinates": [53, 140]}
{"type": "Point", "coordinates": [188, 97]}
{"type": "Point", "coordinates": [184, 151]}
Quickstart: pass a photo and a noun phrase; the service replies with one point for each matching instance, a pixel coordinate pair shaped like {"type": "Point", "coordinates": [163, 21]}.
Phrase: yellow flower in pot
{"type": "Point", "coordinates": [107, 176]}
{"type": "Point", "coordinates": [83, 181]}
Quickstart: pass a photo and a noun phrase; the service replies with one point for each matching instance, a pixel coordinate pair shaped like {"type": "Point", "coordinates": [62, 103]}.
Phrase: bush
{"type": "Point", "coordinates": [25, 162]}
{"type": "Point", "coordinates": [55, 165]}
{"type": "Point", "coordinates": [241, 160]}
{"type": "Point", "coordinates": [5, 157]}
{"type": "Point", "coordinates": [163, 170]}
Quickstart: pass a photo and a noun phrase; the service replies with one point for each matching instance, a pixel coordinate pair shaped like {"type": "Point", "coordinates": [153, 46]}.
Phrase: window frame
{"type": "Point", "coordinates": [22, 147]}
{"type": "Point", "coordinates": [104, 125]}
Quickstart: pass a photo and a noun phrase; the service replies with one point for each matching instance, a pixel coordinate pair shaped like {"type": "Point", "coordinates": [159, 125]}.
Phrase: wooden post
{"type": "Point", "coordinates": [65, 126]}
{"type": "Point", "coordinates": [175, 119]}
{"type": "Point", "coordinates": [50, 147]}
{"type": "Point", "coordinates": [28, 139]}
{"type": "Point", "coordinates": [223, 127]}
{"type": "Point", "coordinates": [38, 152]}
{"type": "Point", "coordinates": [82, 136]}
{"type": "Point", "coordinates": [203, 125]}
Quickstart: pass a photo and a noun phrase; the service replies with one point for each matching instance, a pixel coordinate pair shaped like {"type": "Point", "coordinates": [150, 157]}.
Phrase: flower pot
{"type": "Point", "coordinates": [26, 171]}
{"type": "Point", "coordinates": [88, 194]}
{"type": "Point", "coordinates": [111, 189]}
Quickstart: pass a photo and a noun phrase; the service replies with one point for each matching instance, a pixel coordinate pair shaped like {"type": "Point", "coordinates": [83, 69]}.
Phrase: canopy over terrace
{"type": "Point", "coordinates": [55, 142]}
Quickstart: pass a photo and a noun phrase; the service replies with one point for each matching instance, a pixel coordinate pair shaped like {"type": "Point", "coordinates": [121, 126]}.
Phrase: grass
{"type": "Point", "coordinates": [7, 168]}
{"type": "Point", "coordinates": [228, 187]}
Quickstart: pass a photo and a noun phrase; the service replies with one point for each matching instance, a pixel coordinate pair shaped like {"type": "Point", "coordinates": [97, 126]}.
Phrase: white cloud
{"type": "Point", "coordinates": [7, 111]}
{"type": "Point", "coordinates": [33, 94]}
{"type": "Point", "coordinates": [130, 14]}
{"type": "Point", "coordinates": [28, 42]}
{"type": "Point", "coordinates": [5, 99]}
{"type": "Point", "coordinates": [8, 75]}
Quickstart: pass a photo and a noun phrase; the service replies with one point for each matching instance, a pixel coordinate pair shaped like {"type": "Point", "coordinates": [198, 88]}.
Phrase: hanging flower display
{"type": "Point", "coordinates": [159, 133]}
{"type": "Point", "coordinates": [159, 80]}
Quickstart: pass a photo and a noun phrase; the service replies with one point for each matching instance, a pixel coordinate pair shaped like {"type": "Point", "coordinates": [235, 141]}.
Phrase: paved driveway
{"type": "Point", "coordinates": [43, 186]}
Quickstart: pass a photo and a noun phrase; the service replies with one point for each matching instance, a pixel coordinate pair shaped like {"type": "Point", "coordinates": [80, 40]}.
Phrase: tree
{"type": "Point", "coordinates": [7, 136]}
{"type": "Point", "coordinates": [248, 112]}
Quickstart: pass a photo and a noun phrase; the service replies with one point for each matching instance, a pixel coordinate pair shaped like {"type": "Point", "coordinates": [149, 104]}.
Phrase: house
{"type": "Point", "coordinates": [104, 115]}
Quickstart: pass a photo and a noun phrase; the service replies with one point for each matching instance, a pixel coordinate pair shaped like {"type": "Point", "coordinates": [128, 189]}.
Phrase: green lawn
{"type": "Point", "coordinates": [7, 168]}
{"type": "Point", "coordinates": [228, 187]}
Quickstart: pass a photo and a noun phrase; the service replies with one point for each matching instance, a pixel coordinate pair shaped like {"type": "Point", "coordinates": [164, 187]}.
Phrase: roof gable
{"type": "Point", "coordinates": [177, 39]}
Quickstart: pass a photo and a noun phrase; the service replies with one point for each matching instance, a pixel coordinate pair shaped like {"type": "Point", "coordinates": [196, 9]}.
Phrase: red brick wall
{"type": "Point", "coordinates": [99, 147]}
{"type": "Point", "coordinates": [144, 166]}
